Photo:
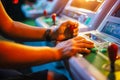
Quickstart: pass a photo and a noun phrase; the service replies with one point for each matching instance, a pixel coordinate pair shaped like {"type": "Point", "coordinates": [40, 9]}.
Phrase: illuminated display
{"type": "Point", "coordinates": [92, 5]}
{"type": "Point", "coordinates": [112, 29]}
{"type": "Point", "coordinates": [94, 38]}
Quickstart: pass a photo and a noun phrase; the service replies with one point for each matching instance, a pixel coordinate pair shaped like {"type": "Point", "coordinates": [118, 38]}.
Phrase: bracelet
{"type": "Point", "coordinates": [47, 35]}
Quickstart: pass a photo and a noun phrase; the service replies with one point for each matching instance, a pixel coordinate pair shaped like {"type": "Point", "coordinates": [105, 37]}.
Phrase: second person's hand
{"type": "Point", "coordinates": [72, 46]}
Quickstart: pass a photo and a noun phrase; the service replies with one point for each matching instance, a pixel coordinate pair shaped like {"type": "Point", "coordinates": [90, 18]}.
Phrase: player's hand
{"type": "Point", "coordinates": [75, 45]}
{"type": "Point", "coordinates": [66, 30]}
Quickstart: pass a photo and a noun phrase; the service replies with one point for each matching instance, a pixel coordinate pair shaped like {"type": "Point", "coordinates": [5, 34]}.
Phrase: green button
{"type": "Point", "coordinates": [94, 50]}
{"type": "Point", "coordinates": [104, 50]}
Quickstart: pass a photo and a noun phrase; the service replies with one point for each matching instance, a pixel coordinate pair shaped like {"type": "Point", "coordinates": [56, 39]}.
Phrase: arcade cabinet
{"type": "Point", "coordinates": [103, 63]}
{"type": "Point", "coordinates": [88, 13]}
{"type": "Point", "coordinates": [47, 20]}
{"type": "Point", "coordinates": [33, 8]}
{"type": "Point", "coordinates": [50, 13]}
{"type": "Point", "coordinates": [38, 6]}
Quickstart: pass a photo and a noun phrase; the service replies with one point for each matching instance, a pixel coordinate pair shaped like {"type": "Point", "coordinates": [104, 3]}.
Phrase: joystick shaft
{"type": "Point", "coordinates": [54, 18]}
{"type": "Point", "coordinates": [112, 54]}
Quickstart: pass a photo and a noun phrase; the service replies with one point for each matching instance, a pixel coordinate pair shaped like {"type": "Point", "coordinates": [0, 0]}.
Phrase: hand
{"type": "Point", "coordinates": [72, 46]}
{"type": "Point", "coordinates": [65, 31]}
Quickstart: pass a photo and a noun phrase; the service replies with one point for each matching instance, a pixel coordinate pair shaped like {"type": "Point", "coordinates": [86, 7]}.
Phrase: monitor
{"type": "Point", "coordinates": [112, 28]}
{"type": "Point", "coordinates": [91, 5]}
{"type": "Point", "coordinates": [111, 24]}
{"type": "Point", "coordinates": [88, 12]}
{"type": "Point", "coordinates": [108, 31]}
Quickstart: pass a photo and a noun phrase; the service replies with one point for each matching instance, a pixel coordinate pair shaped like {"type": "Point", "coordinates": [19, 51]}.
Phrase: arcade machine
{"type": "Point", "coordinates": [103, 63]}
{"type": "Point", "coordinates": [88, 13]}
{"type": "Point", "coordinates": [43, 7]}
{"type": "Point", "coordinates": [36, 8]}
{"type": "Point", "coordinates": [50, 16]}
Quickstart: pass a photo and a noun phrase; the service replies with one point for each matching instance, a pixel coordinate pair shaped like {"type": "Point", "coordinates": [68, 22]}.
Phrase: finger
{"type": "Point", "coordinates": [84, 45]}
{"type": "Point", "coordinates": [85, 41]}
{"type": "Point", "coordinates": [79, 38]}
{"type": "Point", "coordinates": [71, 23]}
{"type": "Point", "coordinates": [84, 50]}
{"type": "Point", "coordinates": [76, 24]}
{"type": "Point", "coordinates": [75, 32]}
{"type": "Point", "coordinates": [66, 23]}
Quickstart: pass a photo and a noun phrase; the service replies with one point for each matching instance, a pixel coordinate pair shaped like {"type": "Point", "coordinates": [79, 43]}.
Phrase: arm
{"type": "Point", "coordinates": [14, 55]}
{"type": "Point", "coordinates": [22, 32]}
{"type": "Point", "coordinates": [17, 30]}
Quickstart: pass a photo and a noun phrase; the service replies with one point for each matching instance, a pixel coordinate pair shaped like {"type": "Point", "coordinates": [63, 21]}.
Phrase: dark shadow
{"type": "Point", "coordinates": [111, 75]}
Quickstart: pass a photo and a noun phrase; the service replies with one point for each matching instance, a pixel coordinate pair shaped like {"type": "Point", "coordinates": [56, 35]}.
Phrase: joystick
{"type": "Point", "coordinates": [45, 13]}
{"type": "Point", "coordinates": [54, 18]}
{"type": "Point", "coordinates": [15, 1]}
{"type": "Point", "coordinates": [112, 54]}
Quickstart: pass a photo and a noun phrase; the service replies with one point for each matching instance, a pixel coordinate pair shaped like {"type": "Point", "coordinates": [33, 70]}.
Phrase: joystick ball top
{"type": "Point", "coordinates": [45, 13]}
{"type": "Point", "coordinates": [15, 1]}
{"type": "Point", "coordinates": [54, 16]}
{"type": "Point", "coordinates": [112, 51]}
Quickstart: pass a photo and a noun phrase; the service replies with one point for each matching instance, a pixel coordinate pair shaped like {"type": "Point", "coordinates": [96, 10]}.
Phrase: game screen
{"type": "Point", "coordinates": [91, 5]}
{"type": "Point", "coordinates": [112, 29]}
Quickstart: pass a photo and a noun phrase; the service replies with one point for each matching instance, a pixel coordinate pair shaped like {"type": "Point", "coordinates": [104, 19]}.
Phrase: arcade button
{"type": "Point", "coordinates": [104, 50]}
{"type": "Point", "coordinates": [45, 13]}
{"type": "Point", "coordinates": [94, 50]}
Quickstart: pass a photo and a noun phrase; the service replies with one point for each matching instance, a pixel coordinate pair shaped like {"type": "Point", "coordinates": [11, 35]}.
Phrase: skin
{"type": "Point", "coordinates": [14, 55]}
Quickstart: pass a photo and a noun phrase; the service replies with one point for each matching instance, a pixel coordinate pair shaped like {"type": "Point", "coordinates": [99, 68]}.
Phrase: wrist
{"type": "Point", "coordinates": [58, 53]}
{"type": "Point", "coordinates": [50, 34]}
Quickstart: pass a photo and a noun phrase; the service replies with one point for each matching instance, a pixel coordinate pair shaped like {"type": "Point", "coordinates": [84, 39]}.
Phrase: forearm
{"type": "Point", "coordinates": [14, 55]}
{"type": "Point", "coordinates": [24, 32]}
{"type": "Point", "coordinates": [18, 31]}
